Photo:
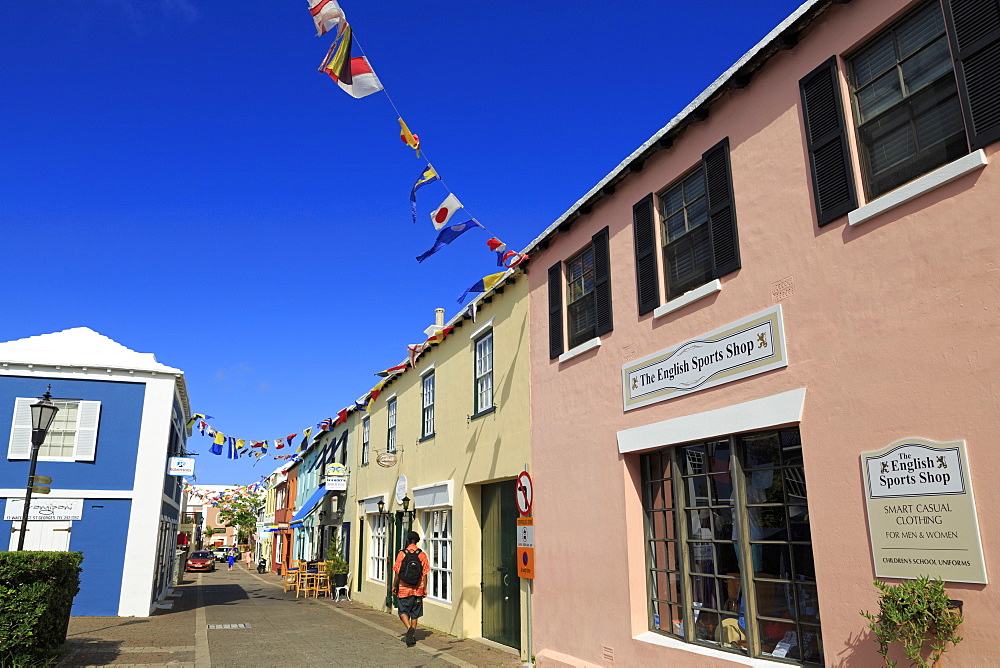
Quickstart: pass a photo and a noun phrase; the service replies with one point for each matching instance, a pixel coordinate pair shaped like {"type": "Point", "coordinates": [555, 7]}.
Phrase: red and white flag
{"type": "Point", "coordinates": [443, 214]}
{"type": "Point", "coordinates": [496, 245]}
{"type": "Point", "coordinates": [326, 14]}
{"type": "Point", "coordinates": [362, 81]}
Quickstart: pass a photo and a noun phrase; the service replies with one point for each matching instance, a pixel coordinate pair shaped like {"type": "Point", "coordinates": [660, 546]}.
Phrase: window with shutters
{"type": "Point", "coordinates": [906, 102]}
{"type": "Point", "coordinates": [377, 537]}
{"type": "Point", "coordinates": [728, 546]}
{"type": "Point", "coordinates": [580, 297]}
{"type": "Point", "coordinates": [72, 436]}
{"type": "Point", "coordinates": [483, 390]}
{"type": "Point", "coordinates": [697, 230]}
{"type": "Point", "coordinates": [586, 280]}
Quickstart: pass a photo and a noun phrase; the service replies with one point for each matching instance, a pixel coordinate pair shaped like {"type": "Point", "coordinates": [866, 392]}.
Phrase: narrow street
{"type": "Point", "coordinates": [240, 618]}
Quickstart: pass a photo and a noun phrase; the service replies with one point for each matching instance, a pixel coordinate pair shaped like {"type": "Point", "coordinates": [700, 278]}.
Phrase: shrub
{"type": "Point", "coordinates": [36, 594]}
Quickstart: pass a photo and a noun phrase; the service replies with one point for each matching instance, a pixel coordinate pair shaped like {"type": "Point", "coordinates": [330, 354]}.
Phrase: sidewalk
{"type": "Point", "coordinates": [240, 618]}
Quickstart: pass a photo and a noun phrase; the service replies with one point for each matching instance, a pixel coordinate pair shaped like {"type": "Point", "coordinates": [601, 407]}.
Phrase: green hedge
{"type": "Point", "coordinates": [36, 594]}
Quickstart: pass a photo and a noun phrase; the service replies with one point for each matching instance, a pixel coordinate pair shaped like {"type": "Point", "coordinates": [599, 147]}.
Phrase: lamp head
{"type": "Point", "coordinates": [42, 414]}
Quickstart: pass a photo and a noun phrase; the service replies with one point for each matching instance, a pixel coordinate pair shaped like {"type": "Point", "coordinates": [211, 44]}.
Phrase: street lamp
{"type": "Point", "coordinates": [381, 507]}
{"type": "Point", "coordinates": [42, 414]}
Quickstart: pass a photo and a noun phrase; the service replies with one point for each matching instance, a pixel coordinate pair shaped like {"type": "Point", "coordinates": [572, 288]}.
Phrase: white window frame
{"type": "Point", "coordinates": [366, 432]}
{"type": "Point", "coordinates": [88, 417]}
{"type": "Point", "coordinates": [377, 524]}
{"type": "Point", "coordinates": [390, 437]}
{"type": "Point", "coordinates": [427, 385]}
{"type": "Point", "coordinates": [438, 544]}
{"type": "Point", "coordinates": [484, 373]}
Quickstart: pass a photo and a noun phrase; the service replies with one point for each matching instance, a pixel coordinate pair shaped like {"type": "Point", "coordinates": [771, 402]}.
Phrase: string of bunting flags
{"type": "Point", "coordinates": [354, 74]}
{"type": "Point", "coordinates": [245, 447]}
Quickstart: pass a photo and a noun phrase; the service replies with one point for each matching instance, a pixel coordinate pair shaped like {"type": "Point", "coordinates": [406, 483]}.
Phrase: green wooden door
{"type": "Point", "coordinates": [501, 585]}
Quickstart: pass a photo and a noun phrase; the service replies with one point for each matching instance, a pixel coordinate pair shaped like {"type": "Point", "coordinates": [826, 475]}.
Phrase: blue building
{"type": "Point", "coordinates": [122, 414]}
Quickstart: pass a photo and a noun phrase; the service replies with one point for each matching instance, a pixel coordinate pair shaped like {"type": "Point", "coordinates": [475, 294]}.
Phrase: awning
{"type": "Point", "coordinates": [309, 506]}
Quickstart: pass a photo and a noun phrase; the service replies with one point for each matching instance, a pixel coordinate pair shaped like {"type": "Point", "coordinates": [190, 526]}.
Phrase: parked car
{"type": "Point", "coordinates": [221, 553]}
{"type": "Point", "coordinates": [202, 560]}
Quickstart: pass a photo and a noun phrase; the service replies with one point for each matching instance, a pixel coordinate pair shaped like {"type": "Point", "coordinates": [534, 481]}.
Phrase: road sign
{"type": "Point", "coordinates": [40, 489]}
{"type": "Point", "coordinates": [41, 479]}
{"type": "Point", "coordinates": [524, 493]}
{"type": "Point", "coordinates": [526, 547]}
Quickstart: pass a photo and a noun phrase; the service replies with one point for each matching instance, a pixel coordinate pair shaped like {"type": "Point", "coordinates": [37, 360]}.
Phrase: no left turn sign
{"type": "Point", "coordinates": [524, 493]}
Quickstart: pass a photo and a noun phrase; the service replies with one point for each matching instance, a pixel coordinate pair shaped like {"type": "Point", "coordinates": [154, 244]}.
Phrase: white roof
{"type": "Point", "coordinates": [79, 347]}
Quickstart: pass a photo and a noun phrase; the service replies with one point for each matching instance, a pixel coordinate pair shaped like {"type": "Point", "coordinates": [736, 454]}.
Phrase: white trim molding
{"type": "Point", "coordinates": [482, 330]}
{"type": "Point", "coordinates": [654, 638]}
{"type": "Point", "coordinates": [772, 411]}
{"type": "Point", "coordinates": [436, 495]}
{"type": "Point", "coordinates": [370, 503]}
{"type": "Point", "coordinates": [688, 297]}
{"type": "Point", "coordinates": [914, 189]}
{"type": "Point", "coordinates": [85, 494]}
{"type": "Point", "coordinates": [428, 369]}
{"type": "Point", "coordinates": [580, 349]}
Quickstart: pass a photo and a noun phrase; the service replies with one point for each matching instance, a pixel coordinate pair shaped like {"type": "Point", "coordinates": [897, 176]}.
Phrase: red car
{"type": "Point", "coordinates": [201, 560]}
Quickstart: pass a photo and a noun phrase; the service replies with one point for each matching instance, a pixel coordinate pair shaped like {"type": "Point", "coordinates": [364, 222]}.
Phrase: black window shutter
{"type": "Point", "coordinates": [555, 311]}
{"type": "Point", "coordinates": [647, 279]}
{"type": "Point", "coordinates": [826, 141]}
{"type": "Point", "coordinates": [602, 284]}
{"type": "Point", "coordinates": [721, 210]}
{"type": "Point", "coordinates": [974, 31]}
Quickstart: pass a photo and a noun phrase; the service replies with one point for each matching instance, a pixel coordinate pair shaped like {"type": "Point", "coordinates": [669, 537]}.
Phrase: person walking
{"type": "Point", "coordinates": [231, 558]}
{"type": "Point", "coordinates": [410, 585]}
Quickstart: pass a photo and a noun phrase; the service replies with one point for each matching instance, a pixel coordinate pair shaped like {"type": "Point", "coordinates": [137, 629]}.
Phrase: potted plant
{"type": "Point", "coordinates": [336, 566]}
{"type": "Point", "coordinates": [915, 613]}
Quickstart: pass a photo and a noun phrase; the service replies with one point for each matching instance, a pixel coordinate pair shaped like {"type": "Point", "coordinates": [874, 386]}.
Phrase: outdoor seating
{"type": "Point", "coordinates": [322, 585]}
{"type": "Point", "coordinates": [346, 589]}
{"type": "Point", "coordinates": [307, 583]}
{"type": "Point", "coordinates": [290, 578]}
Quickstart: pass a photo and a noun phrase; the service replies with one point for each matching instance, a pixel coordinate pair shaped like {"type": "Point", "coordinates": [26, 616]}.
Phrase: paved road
{"type": "Point", "coordinates": [281, 631]}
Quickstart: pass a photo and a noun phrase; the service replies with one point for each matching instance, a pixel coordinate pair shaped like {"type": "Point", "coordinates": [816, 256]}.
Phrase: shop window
{"type": "Point", "coordinates": [437, 543]}
{"type": "Point", "coordinates": [731, 565]}
{"type": "Point", "coordinates": [376, 568]}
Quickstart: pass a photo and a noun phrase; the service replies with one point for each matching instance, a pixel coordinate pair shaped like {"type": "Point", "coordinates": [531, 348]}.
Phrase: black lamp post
{"type": "Point", "coordinates": [407, 513]}
{"type": "Point", "coordinates": [42, 414]}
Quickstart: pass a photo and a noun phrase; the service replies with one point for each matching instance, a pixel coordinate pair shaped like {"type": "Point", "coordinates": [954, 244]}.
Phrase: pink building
{"type": "Point", "coordinates": [801, 267]}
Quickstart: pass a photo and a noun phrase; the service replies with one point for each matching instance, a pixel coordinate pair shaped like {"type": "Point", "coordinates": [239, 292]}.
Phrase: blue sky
{"type": "Point", "coordinates": [176, 175]}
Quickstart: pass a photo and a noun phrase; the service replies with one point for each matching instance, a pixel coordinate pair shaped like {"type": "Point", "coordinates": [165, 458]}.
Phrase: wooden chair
{"type": "Point", "coordinates": [307, 583]}
{"type": "Point", "coordinates": [290, 579]}
{"type": "Point", "coordinates": [323, 585]}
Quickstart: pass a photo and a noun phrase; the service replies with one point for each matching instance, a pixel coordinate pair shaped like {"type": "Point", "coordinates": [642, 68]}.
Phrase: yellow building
{"type": "Point", "coordinates": [440, 449]}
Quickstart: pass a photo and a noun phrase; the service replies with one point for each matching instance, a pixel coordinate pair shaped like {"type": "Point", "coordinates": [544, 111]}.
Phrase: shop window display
{"type": "Point", "coordinates": [729, 551]}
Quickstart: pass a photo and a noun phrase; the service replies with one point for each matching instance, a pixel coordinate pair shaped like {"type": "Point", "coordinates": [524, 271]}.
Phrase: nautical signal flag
{"type": "Point", "coordinates": [354, 75]}
{"type": "Point", "coordinates": [327, 14]}
{"type": "Point", "coordinates": [496, 245]}
{"type": "Point", "coordinates": [408, 138]}
{"type": "Point", "coordinates": [446, 236]}
{"type": "Point", "coordinates": [443, 213]}
{"type": "Point", "coordinates": [426, 176]}
{"type": "Point", "coordinates": [482, 285]}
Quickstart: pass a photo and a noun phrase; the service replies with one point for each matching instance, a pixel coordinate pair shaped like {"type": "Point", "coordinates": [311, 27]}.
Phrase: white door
{"type": "Point", "coordinates": [48, 536]}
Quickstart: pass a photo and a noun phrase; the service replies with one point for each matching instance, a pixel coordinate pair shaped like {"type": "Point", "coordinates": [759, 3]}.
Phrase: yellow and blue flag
{"type": "Point", "coordinates": [484, 284]}
{"type": "Point", "coordinates": [426, 176]}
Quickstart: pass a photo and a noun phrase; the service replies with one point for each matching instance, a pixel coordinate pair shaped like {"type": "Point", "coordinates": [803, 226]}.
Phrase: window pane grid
{"type": "Point", "coordinates": [769, 560]}
{"type": "Point", "coordinates": [365, 436]}
{"type": "Point", "coordinates": [484, 373]}
{"type": "Point", "coordinates": [428, 405]}
{"type": "Point", "coordinates": [906, 102]}
{"type": "Point", "coordinates": [376, 570]}
{"type": "Point", "coordinates": [390, 444]}
{"type": "Point", "coordinates": [580, 305]}
{"type": "Point", "coordinates": [437, 526]}
{"type": "Point", "coordinates": [60, 441]}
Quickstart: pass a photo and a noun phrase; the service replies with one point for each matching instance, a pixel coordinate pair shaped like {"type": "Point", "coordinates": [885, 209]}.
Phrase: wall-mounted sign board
{"type": "Point", "coordinates": [744, 348]}
{"type": "Point", "coordinates": [921, 511]}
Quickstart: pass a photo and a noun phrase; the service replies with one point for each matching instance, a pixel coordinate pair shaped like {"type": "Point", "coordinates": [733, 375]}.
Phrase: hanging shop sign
{"type": "Point", "coordinates": [745, 348]}
{"type": "Point", "coordinates": [386, 459]}
{"type": "Point", "coordinates": [921, 511]}
{"type": "Point", "coordinates": [180, 466]}
{"type": "Point", "coordinates": [336, 478]}
{"type": "Point", "coordinates": [44, 509]}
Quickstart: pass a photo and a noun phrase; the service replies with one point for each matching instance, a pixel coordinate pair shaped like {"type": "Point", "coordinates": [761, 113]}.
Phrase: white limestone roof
{"type": "Point", "coordinates": [79, 347]}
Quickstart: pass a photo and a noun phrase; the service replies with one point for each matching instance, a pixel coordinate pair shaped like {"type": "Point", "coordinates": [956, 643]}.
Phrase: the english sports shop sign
{"type": "Point", "coordinates": [915, 469]}
{"type": "Point", "coordinates": [744, 348]}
